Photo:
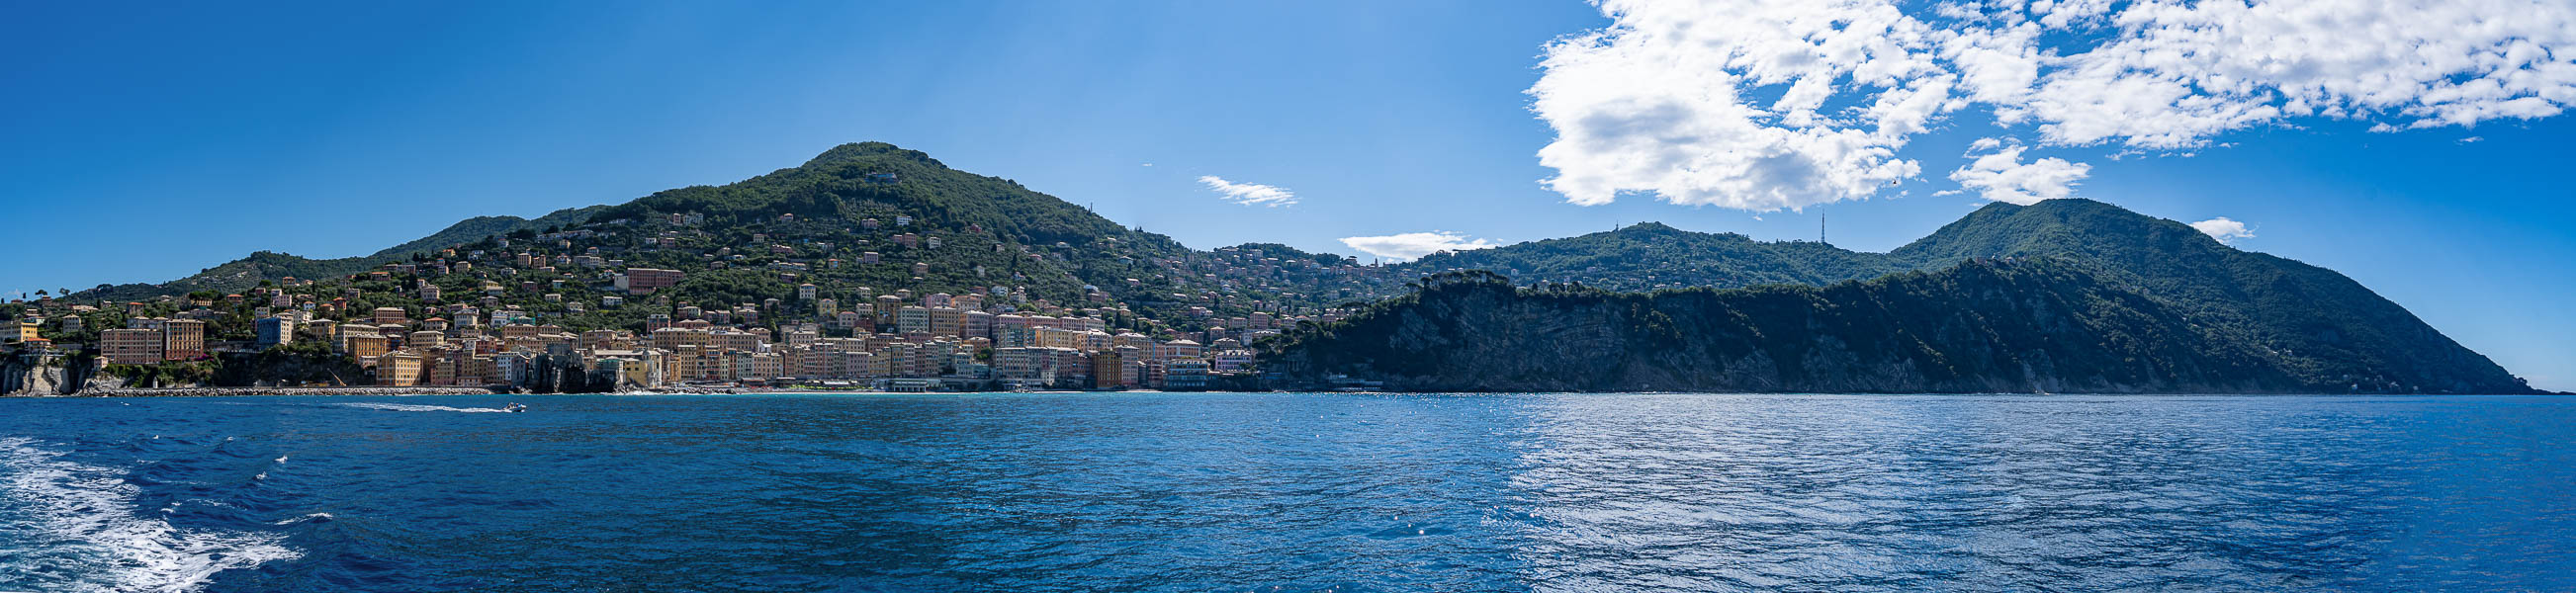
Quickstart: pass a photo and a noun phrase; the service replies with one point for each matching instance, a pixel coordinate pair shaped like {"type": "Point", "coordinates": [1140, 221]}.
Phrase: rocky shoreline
{"type": "Point", "coordinates": [242, 391]}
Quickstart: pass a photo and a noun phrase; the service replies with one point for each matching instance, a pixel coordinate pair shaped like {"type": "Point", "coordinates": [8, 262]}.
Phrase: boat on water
{"type": "Point", "coordinates": [515, 407]}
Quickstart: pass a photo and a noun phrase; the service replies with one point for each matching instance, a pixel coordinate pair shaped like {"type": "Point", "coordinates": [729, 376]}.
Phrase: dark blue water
{"type": "Point", "coordinates": [1256, 492]}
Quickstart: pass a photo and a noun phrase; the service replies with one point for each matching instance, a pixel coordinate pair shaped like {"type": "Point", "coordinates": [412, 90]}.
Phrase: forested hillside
{"type": "Point", "coordinates": [2315, 323]}
{"type": "Point", "coordinates": [874, 219]}
{"type": "Point", "coordinates": [1983, 325]}
{"type": "Point", "coordinates": [241, 274]}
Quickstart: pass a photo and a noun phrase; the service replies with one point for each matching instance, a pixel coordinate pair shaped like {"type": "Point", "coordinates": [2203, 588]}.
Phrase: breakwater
{"type": "Point", "coordinates": [316, 391]}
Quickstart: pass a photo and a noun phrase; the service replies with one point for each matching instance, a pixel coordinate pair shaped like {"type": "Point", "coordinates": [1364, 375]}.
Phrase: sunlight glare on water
{"type": "Point", "coordinates": [1288, 492]}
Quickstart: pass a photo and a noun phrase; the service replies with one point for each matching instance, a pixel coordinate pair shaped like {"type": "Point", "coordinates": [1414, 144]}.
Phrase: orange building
{"type": "Point", "coordinates": [183, 339]}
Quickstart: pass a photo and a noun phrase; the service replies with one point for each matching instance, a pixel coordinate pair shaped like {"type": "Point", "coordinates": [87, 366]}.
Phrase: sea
{"type": "Point", "coordinates": [1274, 492]}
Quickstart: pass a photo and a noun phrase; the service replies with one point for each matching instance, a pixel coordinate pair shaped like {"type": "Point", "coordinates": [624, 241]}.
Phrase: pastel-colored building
{"type": "Point", "coordinates": [647, 280]}
{"type": "Point", "coordinates": [131, 346]}
{"type": "Point", "coordinates": [183, 339]}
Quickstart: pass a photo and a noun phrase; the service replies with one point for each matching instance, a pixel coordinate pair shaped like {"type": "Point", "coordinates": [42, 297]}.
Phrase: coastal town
{"type": "Point", "coordinates": [621, 306]}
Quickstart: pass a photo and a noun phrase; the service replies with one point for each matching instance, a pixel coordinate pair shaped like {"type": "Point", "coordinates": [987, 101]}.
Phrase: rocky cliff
{"type": "Point", "coordinates": [1983, 325]}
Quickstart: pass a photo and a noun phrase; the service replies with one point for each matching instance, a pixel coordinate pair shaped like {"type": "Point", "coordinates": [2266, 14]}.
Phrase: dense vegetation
{"type": "Point", "coordinates": [2273, 322]}
{"type": "Point", "coordinates": [2323, 328]}
{"type": "Point", "coordinates": [995, 233]}
{"type": "Point", "coordinates": [1986, 325]}
{"type": "Point", "coordinates": [1651, 255]}
{"type": "Point", "coordinates": [240, 274]}
{"type": "Point", "coordinates": [472, 229]}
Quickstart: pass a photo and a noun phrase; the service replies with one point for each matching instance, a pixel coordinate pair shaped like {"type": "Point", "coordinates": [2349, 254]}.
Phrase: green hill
{"type": "Point", "coordinates": [1982, 325]}
{"type": "Point", "coordinates": [1652, 255]}
{"type": "Point", "coordinates": [929, 228]}
{"type": "Point", "coordinates": [2324, 330]}
{"type": "Point", "coordinates": [237, 275]}
{"type": "Point", "coordinates": [746, 237]}
{"type": "Point", "coordinates": [1052, 246]}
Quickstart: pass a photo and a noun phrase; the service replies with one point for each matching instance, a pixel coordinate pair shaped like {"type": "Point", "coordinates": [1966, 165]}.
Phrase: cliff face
{"type": "Point", "coordinates": [2327, 331]}
{"type": "Point", "coordinates": [28, 375]}
{"type": "Point", "coordinates": [2041, 325]}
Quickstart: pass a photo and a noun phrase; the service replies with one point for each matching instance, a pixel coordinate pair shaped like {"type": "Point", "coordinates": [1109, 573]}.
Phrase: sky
{"type": "Point", "coordinates": [2419, 149]}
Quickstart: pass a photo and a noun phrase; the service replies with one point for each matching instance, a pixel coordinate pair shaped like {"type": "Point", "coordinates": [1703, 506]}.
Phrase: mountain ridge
{"type": "Point", "coordinates": [1985, 325]}
{"type": "Point", "coordinates": [246, 272]}
{"type": "Point", "coordinates": [2312, 321]}
{"type": "Point", "coordinates": [2326, 328]}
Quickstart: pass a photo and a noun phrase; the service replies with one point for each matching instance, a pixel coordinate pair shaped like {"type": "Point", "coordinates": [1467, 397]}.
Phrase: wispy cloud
{"type": "Point", "coordinates": [1408, 246]}
{"type": "Point", "coordinates": [1779, 104]}
{"type": "Point", "coordinates": [2224, 230]}
{"type": "Point", "coordinates": [1250, 194]}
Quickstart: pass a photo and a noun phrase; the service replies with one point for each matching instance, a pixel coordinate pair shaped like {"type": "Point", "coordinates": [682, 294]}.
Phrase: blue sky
{"type": "Point", "coordinates": [204, 132]}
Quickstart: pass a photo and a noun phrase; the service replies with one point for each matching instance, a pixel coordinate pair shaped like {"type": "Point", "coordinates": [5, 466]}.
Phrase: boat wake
{"type": "Point", "coordinates": [67, 526]}
{"type": "Point", "coordinates": [414, 407]}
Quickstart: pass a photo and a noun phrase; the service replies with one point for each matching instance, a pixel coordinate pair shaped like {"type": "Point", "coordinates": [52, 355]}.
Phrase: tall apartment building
{"type": "Point", "coordinates": [275, 331]}
{"type": "Point", "coordinates": [363, 343]}
{"type": "Point", "coordinates": [131, 346]}
{"type": "Point", "coordinates": [946, 321]}
{"type": "Point", "coordinates": [911, 319]}
{"type": "Point", "coordinates": [183, 339]}
{"type": "Point", "coordinates": [400, 369]}
{"type": "Point", "coordinates": [1108, 370]}
{"type": "Point", "coordinates": [647, 280]}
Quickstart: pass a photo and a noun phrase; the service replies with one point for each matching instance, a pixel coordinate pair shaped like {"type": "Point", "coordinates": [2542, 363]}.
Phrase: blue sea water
{"type": "Point", "coordinates": [1288, 492]}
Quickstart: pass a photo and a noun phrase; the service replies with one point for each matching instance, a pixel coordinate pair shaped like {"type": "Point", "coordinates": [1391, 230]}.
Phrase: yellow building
{"type": "Point", "coordinates": [183, 339]}
{"type": "Point", "coordinates": [366, 348]}
{"type": "Point", "coordinates": [947, 322]}
{"type": "Point", "coordinates": [400, 369]}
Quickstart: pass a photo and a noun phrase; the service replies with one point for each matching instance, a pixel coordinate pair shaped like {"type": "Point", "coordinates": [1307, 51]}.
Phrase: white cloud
{"type": "Point", "coordinates": [2224, 230]}
{"type": "Point", "coordinates": [2002, 177]}
{"type": "Point", "coordinates": [1415, 245]}
{"type": "Point", "coordinates": [1780, 104]}
{"type": "Point", "coordinates": [1250, 194]}
{"type": "Point", "coordinates": [1657, 103]}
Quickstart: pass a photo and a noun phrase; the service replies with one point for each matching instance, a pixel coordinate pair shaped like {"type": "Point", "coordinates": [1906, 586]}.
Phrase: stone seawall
{"type": "Point", "coordinates": [241, 391]}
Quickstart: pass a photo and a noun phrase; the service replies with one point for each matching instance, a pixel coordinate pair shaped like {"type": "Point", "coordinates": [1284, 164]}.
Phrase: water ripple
{"type": "Point", "coordinates": [1295, 492]}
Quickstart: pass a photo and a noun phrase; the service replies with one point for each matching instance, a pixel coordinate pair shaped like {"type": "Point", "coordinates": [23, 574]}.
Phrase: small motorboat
{"type": "Point", "coordinates": [514, 407]}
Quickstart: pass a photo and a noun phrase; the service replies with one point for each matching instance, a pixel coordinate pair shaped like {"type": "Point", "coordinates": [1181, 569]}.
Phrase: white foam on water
{"type": "Point", "coordinates": [71, 521]}
{"type": "Point", "coordinates": [322, 516]}
{"type": "Point", "coordinates": [414, 407]}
